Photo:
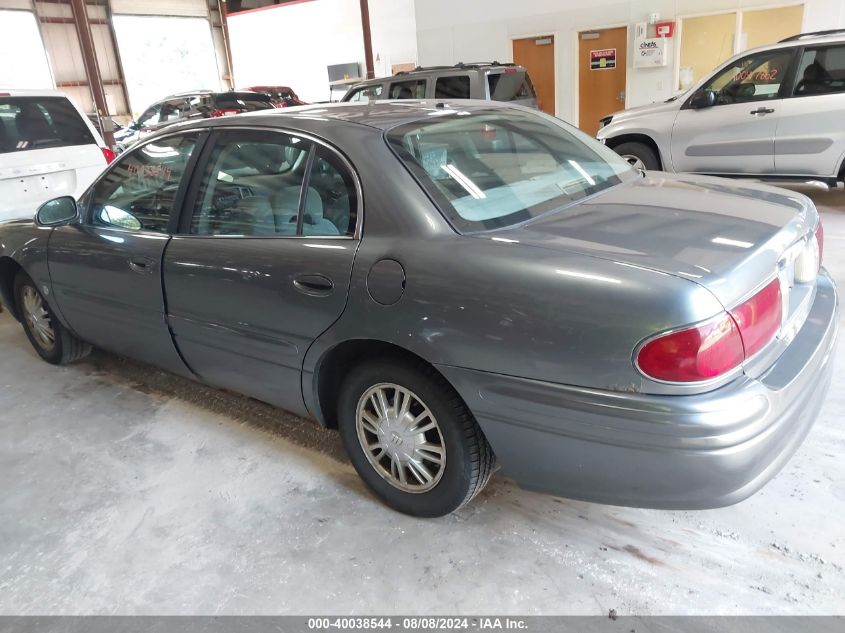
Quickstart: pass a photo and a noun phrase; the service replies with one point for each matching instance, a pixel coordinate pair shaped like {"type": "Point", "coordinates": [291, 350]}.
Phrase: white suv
{"type": "Point", "coordinates": [48, 148]}
{"type": "Point", "coordinates": [775, 112]}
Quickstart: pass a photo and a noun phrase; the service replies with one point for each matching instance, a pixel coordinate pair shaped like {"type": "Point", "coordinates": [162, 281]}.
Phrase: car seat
{"type": "Point", "coordinates": [815, 80]}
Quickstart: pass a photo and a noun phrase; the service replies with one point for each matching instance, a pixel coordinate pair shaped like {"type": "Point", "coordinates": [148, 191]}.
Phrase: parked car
{"type": "Point", "coordinates": [188, 106]}
{"type": "Point", "coordinates": [47, 149]}
{"type": "Point", "coordinates": [490, 81]}
{"type": "Point", "coordinates": [94, 118]}
{"type": "Point", "coordinates": [772, 112]}
{"type": "Point", "coordinates": [452, 287]}
{"type": "Point", "coordinates": [282, 96]}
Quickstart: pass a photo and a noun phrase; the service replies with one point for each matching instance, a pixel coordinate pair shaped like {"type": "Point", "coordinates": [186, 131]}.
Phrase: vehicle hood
{"type": "Point", "coordinates": [723, 234]}
{"type": "Point", "coordinates": [647, 110]}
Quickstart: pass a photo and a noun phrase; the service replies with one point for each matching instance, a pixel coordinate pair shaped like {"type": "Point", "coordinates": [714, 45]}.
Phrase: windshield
{"type": "Point", "coordinates": [510, 85]}
{"type": "Point", "coordinates": [497, 167]}
{"type": "Point", "coordinates": [28, 123]}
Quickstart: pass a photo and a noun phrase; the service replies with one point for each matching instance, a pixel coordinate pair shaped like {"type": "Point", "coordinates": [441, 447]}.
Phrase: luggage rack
{"type": "Point", "coordinates": [458, 66]}
{"type": "Point", "coordinates": [801, 36]}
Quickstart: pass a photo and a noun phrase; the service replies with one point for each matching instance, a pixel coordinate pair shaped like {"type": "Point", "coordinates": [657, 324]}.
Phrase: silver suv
{"type": "Point", "coordinates": [775, 112]}
{"type": "Point", "coordinates": [490, 81]}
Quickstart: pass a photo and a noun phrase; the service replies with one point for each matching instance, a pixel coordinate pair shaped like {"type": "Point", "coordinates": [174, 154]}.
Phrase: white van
{"type": "Point", "coordinates": [48, 148]}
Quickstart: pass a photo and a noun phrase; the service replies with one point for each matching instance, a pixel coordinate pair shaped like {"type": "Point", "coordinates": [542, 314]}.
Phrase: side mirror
{"type": "Point", "coordinates": [119, 218]}
{"type": "Point", "coordinates": [703, 99]}
{"type": "Point", "coordinates": [56, 212]}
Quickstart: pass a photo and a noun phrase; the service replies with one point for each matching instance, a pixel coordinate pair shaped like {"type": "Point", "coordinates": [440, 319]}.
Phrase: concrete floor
{"type": "Point", "coordinates": [126, 490]}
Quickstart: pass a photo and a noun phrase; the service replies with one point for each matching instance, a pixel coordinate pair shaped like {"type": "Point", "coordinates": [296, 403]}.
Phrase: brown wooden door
{"type": "Point", "coordinates": [537, 54]}
{"type": "Point", "coordinates": [601, 76]}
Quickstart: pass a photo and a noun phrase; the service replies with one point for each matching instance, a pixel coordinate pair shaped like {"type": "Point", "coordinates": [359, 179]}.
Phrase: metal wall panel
{"type": "Point", "coordinates": [193, 8]}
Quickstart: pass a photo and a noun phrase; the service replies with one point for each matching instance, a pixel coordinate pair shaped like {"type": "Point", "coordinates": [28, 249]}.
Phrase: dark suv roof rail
{"type": "Point", "coordinates": [458, 66]}
{"type": "Point", "coordinates": [802, 36]}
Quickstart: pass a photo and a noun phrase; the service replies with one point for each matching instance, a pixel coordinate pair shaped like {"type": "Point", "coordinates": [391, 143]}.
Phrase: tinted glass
{"type": "Point", "coordinates": [143, 184]}
{"type": "Point", "coordinates": [28, 123]}
{"type": "Point", "coordinates": [822, 71]}
{"type": "Point", "coordinates": [365, 94]}
{"type": "Point", "coordinates": [510, 86]}
{"type": "Point", "coordinates": [332, 197]}
{"type": "Point", "coordinates": [252, 186]}
{"type": "Point", "coordinates": [150, 116]}
{"type": "Point", "coordinates": [413, 89]}
{"type": "Point", "coordinates": [754, 78]}
{"type": "Point", "coordinates": [243, 101]}
{"type": "Point", "coordinates": [495, 169]}
{"type": "Point", "coordinates": [452, 87]}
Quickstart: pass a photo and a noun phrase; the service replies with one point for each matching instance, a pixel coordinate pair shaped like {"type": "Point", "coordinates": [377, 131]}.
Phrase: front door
{"type": "Point", "coordinates": [737, 135]}
{"type": "Point", "coordinates": [106, 270]}
{"type": "Point", "coordinates": [537, 56]}
{"type": "Point", "coordinates": [262, 264]}
{"type": "Point", "coordinates": [601, 75]}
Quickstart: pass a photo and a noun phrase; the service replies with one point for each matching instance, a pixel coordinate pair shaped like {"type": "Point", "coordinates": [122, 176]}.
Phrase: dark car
{"type": "Point", "coordinates": [188, 106]}
{"type": "Point", "coordinates": [282, 96]}
{"type": "Point", "coordinates": [452, 286]}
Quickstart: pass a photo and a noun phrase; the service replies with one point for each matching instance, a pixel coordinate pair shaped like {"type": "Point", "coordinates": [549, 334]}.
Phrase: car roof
{"type": "Point", "coordinates": [804, 39]}
{"type": "Point", "coordinates": [380, 115]}
{"type": "Point", "coordinates": [15, 92]}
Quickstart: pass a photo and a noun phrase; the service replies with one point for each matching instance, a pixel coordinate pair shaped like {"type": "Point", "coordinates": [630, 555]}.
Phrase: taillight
{"type": "Point", "coordinates": [820, 239]}
{"type": "Point", "coordinates": [108, 154]}
{"type": "Point", "coordinates": [715, 347]}
{"type": "Point", "coordinates": [759, 318]}
{"type": "Point", "coordinates": [224, 112]}
{"type": "Point", "coordinates": [695, 354]}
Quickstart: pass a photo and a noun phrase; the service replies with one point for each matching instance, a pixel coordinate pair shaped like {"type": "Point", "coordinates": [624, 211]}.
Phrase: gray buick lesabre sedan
{"type": "Point", "coordinates": [452, 286]}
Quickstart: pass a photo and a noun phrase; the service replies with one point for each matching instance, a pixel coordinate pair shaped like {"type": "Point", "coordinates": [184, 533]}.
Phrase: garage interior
{"type": "Point", "coordinates": [129, 490]}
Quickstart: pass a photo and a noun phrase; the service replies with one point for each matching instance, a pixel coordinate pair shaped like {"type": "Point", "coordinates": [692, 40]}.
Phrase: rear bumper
{"type": "Point", "coordinates": [679, 452]}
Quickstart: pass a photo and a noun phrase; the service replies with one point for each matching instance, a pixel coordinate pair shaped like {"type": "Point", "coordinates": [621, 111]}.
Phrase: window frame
{"type": "Point", "coordinates": [86, 214]}
{"type": "Point", "coordinates": [797, 64]}
{"type": "Point", "coordinates": [784, 89]}
{"type": "Point", "coordinates": [183, 227]}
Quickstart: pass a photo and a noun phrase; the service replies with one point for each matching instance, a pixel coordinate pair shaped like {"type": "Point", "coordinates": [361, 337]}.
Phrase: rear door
{"type": "Point", "coordinates": [811, 135]}
{"type": "Point", "coordinates": [106, 269]}
{"type": "Point", "coordinates": [47, 150]}
{"type": "Point", "coordinates": [737, 135]}
{"type": "Point", "coordinates": [262, 263]}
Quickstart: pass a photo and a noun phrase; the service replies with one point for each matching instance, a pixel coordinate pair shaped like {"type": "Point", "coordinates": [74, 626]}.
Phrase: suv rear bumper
{"type": "Point", "coordinates": [679, 452]}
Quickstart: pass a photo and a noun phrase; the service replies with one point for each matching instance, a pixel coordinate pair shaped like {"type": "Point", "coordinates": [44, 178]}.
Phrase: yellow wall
{"type": "Point", "coordinates": [771, 25]}
{"type": "Point", "coordinates": [706, 42]}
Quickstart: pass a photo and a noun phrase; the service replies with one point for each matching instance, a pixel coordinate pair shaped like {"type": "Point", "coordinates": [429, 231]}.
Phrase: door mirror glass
{"type": "Point", "coordinates": [703, 99]}
{"type": "Point", "coordinates": [118, 217]}
{"type": "Point", "coordinates": [56, 211]}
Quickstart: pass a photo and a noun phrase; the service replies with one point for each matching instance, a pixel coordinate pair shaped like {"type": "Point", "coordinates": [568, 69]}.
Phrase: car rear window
{"type": "Point", "coordinates": [510, 86]}
{"type": "Point", "coordinates": [28, 123]}
{"type": "Point", "coordinates": [244, 101]}
{"type": "Point", "coordinates": [496, 168]}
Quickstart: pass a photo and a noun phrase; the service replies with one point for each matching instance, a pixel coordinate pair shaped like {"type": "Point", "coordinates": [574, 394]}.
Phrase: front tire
{"type": "Point", "coordinates": [53, 342]}
{"type": "Point", "coordinates": [638, 155]}
{"type": "Point", "coordinates": [412, 439]}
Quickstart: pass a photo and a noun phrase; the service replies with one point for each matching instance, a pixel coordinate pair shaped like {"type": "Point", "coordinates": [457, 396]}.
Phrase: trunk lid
{"type": "Point", "coordinates": [727, 236]}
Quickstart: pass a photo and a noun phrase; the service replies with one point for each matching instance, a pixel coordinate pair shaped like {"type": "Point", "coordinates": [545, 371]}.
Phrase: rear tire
{"type": "Point", "coordinates": [412, 439]}
{"type": "Point", "coordinates": [53, 342]}
{"type": "Point", "coordinates": [638, 155]}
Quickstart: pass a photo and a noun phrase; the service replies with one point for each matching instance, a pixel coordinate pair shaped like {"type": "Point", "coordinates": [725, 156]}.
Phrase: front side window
{"type": "Point", "coordinates": [412, 89]}
{"type": "Point", "coordinates": [495, 169]}
{"type": "Point", "coordinates": [366, 94]}
{"type": "Point", "coordinates": [28, 123]}
{"type": "Point", "coordinates": [456, 87]}
{"type": "Point", "coordinates": [757, 77]}
{"type": "Point", "coordinates": [821, 71]}
{"type": "Point", "coordinates": [139, 192]}
{"type": "Point", "coordinates": [510, 85]}
{"type": "Point", "coordinates": [253, 187]}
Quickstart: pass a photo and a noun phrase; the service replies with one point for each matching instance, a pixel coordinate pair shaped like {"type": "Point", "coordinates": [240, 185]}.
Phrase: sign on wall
{"type": "Point", "coordinates": [604, 59]}
{"type": "Point", "coordinates": [650, 52]}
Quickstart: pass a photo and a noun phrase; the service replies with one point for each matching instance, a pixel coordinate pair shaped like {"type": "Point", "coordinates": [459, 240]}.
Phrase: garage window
{"type": "Point", "coordinates": [452, 87]}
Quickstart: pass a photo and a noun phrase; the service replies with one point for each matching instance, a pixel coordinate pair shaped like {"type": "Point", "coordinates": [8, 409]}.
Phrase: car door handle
{"type": "Point", "coordinates": [314, 285]}
{"type": "Point", "coordinates": [763, 111]}
{"type": "Point", "coordinates": [141, 265]}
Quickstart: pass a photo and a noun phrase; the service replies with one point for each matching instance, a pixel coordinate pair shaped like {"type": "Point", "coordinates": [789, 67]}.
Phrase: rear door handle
{"type": "Point", "coordinates": [314, 285]}
{"type": "Point", "coordinates": [142, 265]}
{"type": "Point", "coordinates": [763, 111]}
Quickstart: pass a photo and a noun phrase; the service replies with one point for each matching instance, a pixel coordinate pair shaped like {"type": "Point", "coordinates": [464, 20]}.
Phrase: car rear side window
{"type": "Point", "coordinates": [455, 87]}
{"type": "Point", "coordinates": [28, 123]}
{"type": "Point", "coordinates": [139, 191]}
{"type": "Point", "coordinates": [411, 89]}
{"type": "Point", "coordinates": [821, 71]}
{"type": "Point", "coordinates": [365, 94]}
{"type": "Point", "coordinates": [510, 85]}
